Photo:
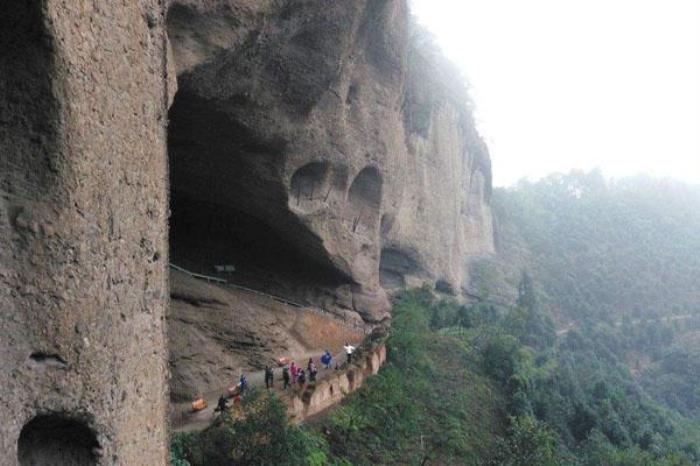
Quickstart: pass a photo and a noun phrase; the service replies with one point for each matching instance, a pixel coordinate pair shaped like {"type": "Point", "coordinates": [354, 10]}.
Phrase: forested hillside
{"type": "Point", "coordinates": [599, 250]}
{"type": "Point", "coordinates": [492, 385]}
{"type": "Point", "coordinates": [616, 263]}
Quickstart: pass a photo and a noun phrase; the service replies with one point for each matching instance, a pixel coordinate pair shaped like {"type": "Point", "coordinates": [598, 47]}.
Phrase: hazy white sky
{"type": "Point", "coordinates": [562, 84]}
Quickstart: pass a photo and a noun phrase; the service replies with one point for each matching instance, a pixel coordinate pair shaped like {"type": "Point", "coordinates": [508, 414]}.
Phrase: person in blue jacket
{"type": "Point", "coordinates": [326, 359]}
{"type": "Point", "coordinates": [243, 384]}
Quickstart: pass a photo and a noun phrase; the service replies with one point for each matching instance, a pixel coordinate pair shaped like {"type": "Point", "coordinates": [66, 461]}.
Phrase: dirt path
{"type": "Point", "coordinates": [182, 419]}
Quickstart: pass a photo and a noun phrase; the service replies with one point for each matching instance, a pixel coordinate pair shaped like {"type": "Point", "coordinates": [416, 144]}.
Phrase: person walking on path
{"type": "Point", "coordinates": [301, 377]}
{"type": "Point", "coordinates": [311, 367]}
{"type": "Point", "coordinates": [326, 359]}
{"type": "Point", "coordinates": [242, 384]}
{"type": "Point", "coordinates": [221, 405]}
{"type": "Point", "coordinates": [269, 377]}
{"type": "Point", "coordinates": [293, 369]}
{"type": "Point", "coordinates": [285, 377]}
{"type": "Point", "coordinates": [349, 349]}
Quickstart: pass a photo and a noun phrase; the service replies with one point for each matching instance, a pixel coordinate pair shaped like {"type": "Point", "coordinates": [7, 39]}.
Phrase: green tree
{"type": "Point", "coordinates": [529, 443]}
{"type": "Point", "coordinates": [262, 436]}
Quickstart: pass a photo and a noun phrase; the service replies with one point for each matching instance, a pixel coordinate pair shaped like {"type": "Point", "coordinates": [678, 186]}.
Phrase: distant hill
{"type": "Point", "coordinates": [599, 250]}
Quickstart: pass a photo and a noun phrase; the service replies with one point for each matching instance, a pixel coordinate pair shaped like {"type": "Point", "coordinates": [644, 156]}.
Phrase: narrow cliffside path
{"type": "Point", "coordinates": [183, 419]}
{"type": "Point", "coordinates": [217, 333]}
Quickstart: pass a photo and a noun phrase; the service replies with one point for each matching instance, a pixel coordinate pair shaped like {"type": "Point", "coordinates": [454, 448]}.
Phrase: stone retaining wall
{"type": "Point", "coordinates": [330, 391]}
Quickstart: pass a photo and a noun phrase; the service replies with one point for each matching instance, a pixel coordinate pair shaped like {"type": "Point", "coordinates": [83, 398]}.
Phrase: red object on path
{"type": "Point", "coordinates": [293, 369]}
{"type": "Point", "coordinates": [199, 404]}
{"type": "Point", "coordinates": [283, 361]}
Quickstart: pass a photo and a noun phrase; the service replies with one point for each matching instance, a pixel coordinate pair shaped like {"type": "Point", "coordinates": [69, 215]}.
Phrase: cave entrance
{"type": "Point", "coordinates": [232, 201]}
{"type": "Point", "coordinates": [54, 440]}
{"type": "Point", "coordinates": [230, 204]}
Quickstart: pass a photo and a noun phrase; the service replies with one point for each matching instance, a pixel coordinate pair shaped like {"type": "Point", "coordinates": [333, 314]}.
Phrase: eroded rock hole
{"type": "Point", "coordinates": [28, 109]}
{"type": "Point", "coordinates": [351, 380]}
{"type": "Point", "coordinates": [55, 440]}
{"type": "Point", "coordinates": [394, 266]}
{"type": "Point", "coordinates": [310, 187]}
{"type": "Point", "coordinates": [365, 199]}
{"type": "Point", "coordinates": [352, 94]}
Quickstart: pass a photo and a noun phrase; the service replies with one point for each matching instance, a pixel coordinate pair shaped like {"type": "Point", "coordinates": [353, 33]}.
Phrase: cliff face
{"type": "Point", "coordinates": [313, 147]}
{"type": "Point", "coordinates": [83, 244]}
{"type": "Point", "coordinates": [306, 148]}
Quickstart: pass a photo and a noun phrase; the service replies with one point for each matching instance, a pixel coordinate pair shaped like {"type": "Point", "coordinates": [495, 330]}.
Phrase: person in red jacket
{"type": "Point", "coordinates": [293, 370]}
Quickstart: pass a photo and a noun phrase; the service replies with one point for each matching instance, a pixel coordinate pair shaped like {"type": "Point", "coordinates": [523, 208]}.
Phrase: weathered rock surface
{"type": "Point", "coordinates": [83, 239]}
{"type": "Point", "coordinates": [315, 147]}
{"type": "Point", "coordinates": [216, 333]}
{"type": "Point", "coordinates": [311, 145]}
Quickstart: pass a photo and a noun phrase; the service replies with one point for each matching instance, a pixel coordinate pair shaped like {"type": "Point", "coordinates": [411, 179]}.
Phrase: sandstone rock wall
{"type": "Point", "coordinates": [296, 156]}
{"type": "Point", "coordinates": [83, 243]}
{"type": "Point", "coordinates": [442, 218]}
{"type": "Point", "coordinates": [306, 147]}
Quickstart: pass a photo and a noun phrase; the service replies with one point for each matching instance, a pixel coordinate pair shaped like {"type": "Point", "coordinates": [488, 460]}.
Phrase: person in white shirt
{"type": "Point", "coordinates": [349, 349]}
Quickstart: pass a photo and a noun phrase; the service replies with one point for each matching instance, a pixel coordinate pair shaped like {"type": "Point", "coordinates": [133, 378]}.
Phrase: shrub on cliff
{"type": "Point", "coordinates": [262, 436]}
{"type": "Point", "coordinates": [419, 408]}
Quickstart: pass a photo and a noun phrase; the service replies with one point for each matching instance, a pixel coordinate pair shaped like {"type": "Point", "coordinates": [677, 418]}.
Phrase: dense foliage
{"type": "Point", "coordinates": [618, 269]}
{"type": "Point", "coordinates": [465, 386]}
{"type": "Point", "coordinates": [600, 250]}
{"type": "Point", "coordinates": [259, 435]}
{"type": "Point", "coordinates": [617, 261]}
{"type": "Point", "coordinates": [426, 406]}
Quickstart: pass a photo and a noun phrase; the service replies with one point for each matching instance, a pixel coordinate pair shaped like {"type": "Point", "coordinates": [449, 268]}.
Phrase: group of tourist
{"type": "Point", "coordinates": [291, 374]}
{"type": "Point", "coordinates": [294, 375]}
{"type": "Point", "coordinates": [236, 394]}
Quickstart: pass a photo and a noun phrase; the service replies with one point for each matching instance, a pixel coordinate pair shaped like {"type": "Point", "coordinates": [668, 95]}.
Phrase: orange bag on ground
{"type": "Point", "coordinates": [283, 361]}
{"type": "Point", "coordinates": [199, 404]}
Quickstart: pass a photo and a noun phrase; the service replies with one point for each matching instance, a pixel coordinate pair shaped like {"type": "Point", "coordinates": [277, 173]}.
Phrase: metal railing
{"type": "Point", "coordinates": [271, 296]}
{"type": "Point", "coordinates": [198, 275]}
{"type": "Point", "coordinates": [279, 299]}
